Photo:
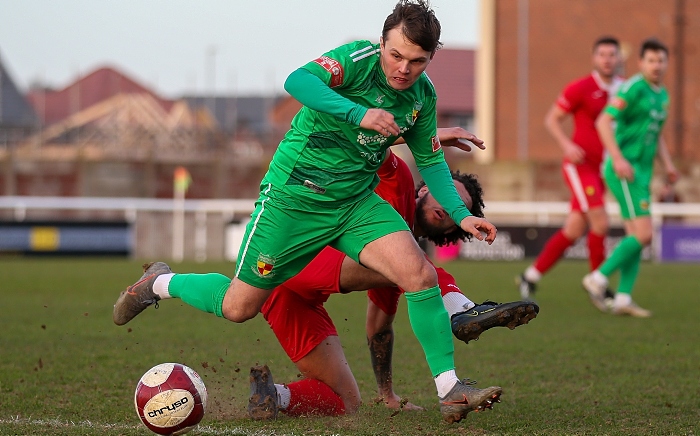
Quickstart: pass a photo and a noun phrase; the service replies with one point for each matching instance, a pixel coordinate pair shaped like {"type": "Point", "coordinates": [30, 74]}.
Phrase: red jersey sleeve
{"type": "Point", "coordinates": [570, 98]}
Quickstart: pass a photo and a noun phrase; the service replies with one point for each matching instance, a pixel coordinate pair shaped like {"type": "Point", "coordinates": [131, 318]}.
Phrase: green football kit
{"type": "Point", "coordinates": [640, 110]}
{"type": "Point", "coordinates": [318, 190]}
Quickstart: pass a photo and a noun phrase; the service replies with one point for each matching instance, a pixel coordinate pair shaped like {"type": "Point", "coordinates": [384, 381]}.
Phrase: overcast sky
{"type": "Point", "coordinates": [193, 46]}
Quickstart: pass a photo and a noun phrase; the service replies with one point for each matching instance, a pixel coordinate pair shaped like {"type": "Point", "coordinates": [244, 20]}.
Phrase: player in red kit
{"type": "Point", "coordinates": [583, 100]}
{"type": "Point", "coordinates": [296, 314]}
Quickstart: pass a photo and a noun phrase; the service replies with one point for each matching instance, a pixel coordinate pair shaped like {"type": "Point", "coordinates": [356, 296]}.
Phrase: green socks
{"type": "Point", "coordinates": [202, 291]}
{"type": "Point", "coordinates": [431, 325]}
{"type": "Point", "coordinates": [626, 258]}
{"type": "Point", "coordinates": [625, 250]}
{"type": "Point", "coordinates": [426, 312]}
{"type": "Point", "coordinates": [628, 274]}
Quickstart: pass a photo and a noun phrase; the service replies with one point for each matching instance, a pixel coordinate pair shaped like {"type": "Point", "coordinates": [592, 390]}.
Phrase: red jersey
{"type": "Point", "coordinates": [585, 99]}
{"type": "Point", "coordinates": [396, 187]}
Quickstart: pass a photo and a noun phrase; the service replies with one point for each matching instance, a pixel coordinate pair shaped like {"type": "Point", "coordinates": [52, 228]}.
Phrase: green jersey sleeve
{"type": "Point", "coordinates": [439, 181]}
{"type": "Point", "coordinates": [311, 91]}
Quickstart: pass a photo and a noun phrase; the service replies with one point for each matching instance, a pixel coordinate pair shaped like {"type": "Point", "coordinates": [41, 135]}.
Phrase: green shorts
{"type": "Point", "coordinates": [633, 196]}
{"type": "Point", "coordinates": [286, 233]}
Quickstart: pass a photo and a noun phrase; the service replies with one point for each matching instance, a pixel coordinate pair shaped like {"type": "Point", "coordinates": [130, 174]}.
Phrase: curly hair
{"type": "Point", "coordinates": [476, 192]}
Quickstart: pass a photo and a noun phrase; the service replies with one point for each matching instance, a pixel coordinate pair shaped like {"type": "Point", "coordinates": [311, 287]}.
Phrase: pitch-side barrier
{"type": "Point", "coordinates": [203, 230]}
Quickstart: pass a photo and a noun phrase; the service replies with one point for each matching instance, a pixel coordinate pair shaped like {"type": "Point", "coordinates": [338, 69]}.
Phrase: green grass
{"type": "Point", "coordinates": [66, 369]}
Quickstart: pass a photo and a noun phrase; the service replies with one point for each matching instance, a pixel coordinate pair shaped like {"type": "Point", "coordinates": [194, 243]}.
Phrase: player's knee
{"type": "Point", "coordinates": [425, 277]}
{"type": "Point", "coordinates": [600, 225]}
{"type": "Point", "coordinates": [352, 404]}
{"type": "Point", "coordinates": [644, 237]}
{"type": "Point", "coordinates": [242, 301]}
{"type": "Point", "coordinates": [572, 234]}
{"type": "Point", "coordinates": [238, 313]}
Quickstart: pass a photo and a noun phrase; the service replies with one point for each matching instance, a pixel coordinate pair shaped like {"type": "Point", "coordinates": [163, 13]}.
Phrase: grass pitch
{"type": "Point", "coordinates": [65, 369]}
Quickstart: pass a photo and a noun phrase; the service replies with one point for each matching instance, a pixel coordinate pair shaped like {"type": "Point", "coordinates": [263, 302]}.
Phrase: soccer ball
{"type": "Point", "coordinates": [170, 399]}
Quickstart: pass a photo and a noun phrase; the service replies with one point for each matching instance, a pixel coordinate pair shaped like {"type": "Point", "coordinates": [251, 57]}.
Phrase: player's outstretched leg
{"type": "Point", "coordinates": [134, 299]}
{"type": "Point", "coordinates": [467, 326]}
{"type": "Point", "coordinates": [262, 403]}
{"type": "Point", "coordinates": [464, 398]}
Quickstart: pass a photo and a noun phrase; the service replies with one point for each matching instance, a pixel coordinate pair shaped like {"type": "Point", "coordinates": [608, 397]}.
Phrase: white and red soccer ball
{"type": "Point", "coordinates": [170, 399]}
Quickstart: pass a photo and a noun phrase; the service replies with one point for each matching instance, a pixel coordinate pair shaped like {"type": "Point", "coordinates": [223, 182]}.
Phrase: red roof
{"type": "Point", "coordinates": [452, 73]}
{"type": "Point", "coordinates": [85, 92]}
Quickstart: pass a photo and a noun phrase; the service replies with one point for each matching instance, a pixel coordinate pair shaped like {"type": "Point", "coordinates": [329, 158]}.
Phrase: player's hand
{"type": "Point", "coordinates": [574, 154]}
{"type": "Point", "coordinates": [476, 225]}
{"type": "Point", "coordinates": [380, 121]}
{"type": "Point", "coordinates": [459, 138]}
{"type": "Point", "coordinates": [623, 169]}
{"type": "Point", "coordinates": [393, 401]}
{"type": "Point", "coordinates": [672, 174]}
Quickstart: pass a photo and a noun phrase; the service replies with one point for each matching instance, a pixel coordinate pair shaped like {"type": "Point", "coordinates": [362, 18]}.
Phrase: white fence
{"type": "Point", "coordinates": [208, 223]}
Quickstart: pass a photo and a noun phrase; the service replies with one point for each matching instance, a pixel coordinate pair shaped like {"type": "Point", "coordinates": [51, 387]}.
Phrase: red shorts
{"type": "Point", "coordinates": [295, 310]}
{"type": "Point", "coordinates": [586, 186]}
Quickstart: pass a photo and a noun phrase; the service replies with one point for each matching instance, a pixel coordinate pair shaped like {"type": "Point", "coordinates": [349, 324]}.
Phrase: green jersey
{"type": "Point", "coordinates": [330, 158]}
{"type": "Point", "coordinates": [640, 110]}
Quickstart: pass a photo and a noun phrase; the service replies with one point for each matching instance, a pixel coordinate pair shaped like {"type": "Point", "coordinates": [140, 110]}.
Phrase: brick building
{"type": "Point", "coordinates": [530, 49]}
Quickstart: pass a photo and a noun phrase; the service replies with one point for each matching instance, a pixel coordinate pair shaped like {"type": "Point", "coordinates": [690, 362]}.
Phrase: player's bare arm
{"type": "Point", "coordinates": [604, 126]}
{"type": "Point", "coordinates": [553, 123]}
{"type": "Point", "coordinates": [380, 340]}
{"type": "Point", "coordinates": [665, 156]}
{"type": "Point", "coordinates": [380, 121]}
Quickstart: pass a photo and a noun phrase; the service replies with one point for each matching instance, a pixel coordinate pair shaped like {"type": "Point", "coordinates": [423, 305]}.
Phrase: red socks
{"type": "Point", "coordinates": [313, 397]}
{"type": "Point", "coordinates": [553, 251]}
{"type": "Point", "coordinates": [596, 250]}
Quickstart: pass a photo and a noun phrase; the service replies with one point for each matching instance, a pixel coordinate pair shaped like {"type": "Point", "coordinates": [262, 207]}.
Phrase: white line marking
{"type": "Point", "coordinates": [202, 429]}
{"type": "Point", "coordinates": [628, 199]}
{"type": "Point", "coordinates": [576, 186]}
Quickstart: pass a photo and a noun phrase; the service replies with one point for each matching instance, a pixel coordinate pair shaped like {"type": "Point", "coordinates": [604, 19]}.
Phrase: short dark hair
{"type": "Point", "coordinates": [418, 24]}
{"type": "Point", "coordinates": [476, 192]}
{"type": "Point", "coordinates": [606, 40]}
{"type": "Point", "coordinates": [652, 44]}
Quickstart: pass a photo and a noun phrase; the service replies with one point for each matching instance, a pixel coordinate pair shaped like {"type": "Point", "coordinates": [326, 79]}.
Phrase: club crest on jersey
{"type": "Point", "coordinates": [411, 119]}
{"type": "Point", "coordinates": [590, 190]}
{"type": "Point", "coordinates": [333, 67]}
{"type": "Point", "coordinates": [264, 266]}
{"type": "Point", "coordinates": [644, 205]}
{"type": "Point", "coordinates": [436, 143]}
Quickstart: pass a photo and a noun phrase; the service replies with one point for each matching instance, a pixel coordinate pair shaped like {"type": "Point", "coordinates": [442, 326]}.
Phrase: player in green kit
{"type": "Point", "coordinates": [640, 109]}
{"type": "Point", "coordinates": [357, 100]}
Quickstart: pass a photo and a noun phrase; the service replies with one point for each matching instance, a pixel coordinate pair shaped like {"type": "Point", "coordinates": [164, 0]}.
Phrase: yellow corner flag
{"type": "Point", "coordinates": [181, 179]}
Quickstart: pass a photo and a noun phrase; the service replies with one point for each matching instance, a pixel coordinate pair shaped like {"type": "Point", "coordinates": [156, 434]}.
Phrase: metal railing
{"type": "Point", "coordinates": [203, 231]}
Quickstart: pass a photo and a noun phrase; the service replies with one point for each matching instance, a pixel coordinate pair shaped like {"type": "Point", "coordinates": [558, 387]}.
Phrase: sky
{"type": "Point", "coordinates": [185, 47]}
